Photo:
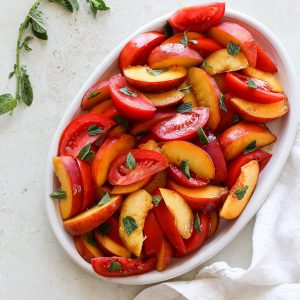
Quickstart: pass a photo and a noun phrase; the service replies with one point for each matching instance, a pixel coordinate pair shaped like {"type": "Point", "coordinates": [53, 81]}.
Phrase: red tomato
{"type": "Point", "coordinates": [147, 163]}
{"type": "Point", "coordinates": [177, 175]}
{"type": "Point", "coordinates": [197, 18]}
{"type": "Point", "coordinates": [111, 113]}
{"type": "Point", "coordinates": [182, 126]}
{"type": "Point", "coordinates": [205, 46]}
{"type": "Point", "coordinates": [153, 234]}
{"type": "Point", "coordinates": [75, 136]}
{"type": "Point", "coordinates": [237, 85]}
{"type": "Point", "coordinates": [125, 266]}
{"type": "Point", "coordinates": [134, 105]}
{"type": "Point", "coordinates": [264, 62]}
{"type": "Point", "coordinates": [95, 94]}
{"type": "Point", "coordinates": [234, 167]}
{"type": "Point", "coordinates": [137, 50]}
{"type": "Point", "coordinates": [197, 239]}
{"type": "Point", "coordinates": [87, 184]}
{"type": "Point", "coordinates": [167, 224]}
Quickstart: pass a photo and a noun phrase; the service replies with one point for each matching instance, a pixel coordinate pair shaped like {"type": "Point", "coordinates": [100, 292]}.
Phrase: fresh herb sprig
{"type": "Point", "coordinates": [35, 21]}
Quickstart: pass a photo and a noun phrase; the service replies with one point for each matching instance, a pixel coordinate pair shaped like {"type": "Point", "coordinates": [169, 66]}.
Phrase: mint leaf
{"type": "Point", "coordinates": [202, 135]}
{"type": "Point", "coordinates": [129, 224]}
{"type": "Point", "coordinates": [94, 130]}
{"type": "Point", "coordinates": [59, 194]}
{"type": "Point", "coordinates": [7, 103]}
{"type": "Point", "coordinates": [197, 225]}
{"type": "Point", "coordinates": [156, 72]}
{"type": "Point", "coordinates": [38, 24]}
{"type": "Point", "coordinates": [252, 84]}
{"type": "Point", "coordinates": [130, 161]}
{"type": "Point", "coordinates": [240, 193]}
{"type": "Point", "coordinates": [168, 30]}
{"type": "Point", "coordinates": [185, 89]}
{"type": "Point", "coordinates": [126, 91]}
{"type": "Point", "coordinates": [120, 120]}
{"type": "Point", "coordinates": [156, 199]}
{"type": "Point", "coordinates": [26, 94]}
{"type": "Point", "coordinates": [251, 147]}
{"type": "Point", "coordinates": [105, 199]}
{"type": "Point", "coordinates": [184, 166]}
{"type": "Point", "coordinates": [185, 40]}
{"type": "Point", "coordinates": [93, 95]}
{"type": "Point", "coordinates": [96, 5]}
{"type": "Point", "coordinates": [104, 228]}
{"type": "Point", "coordinates": [233, 49]}
{"type": "Point", "coordinates": [235, 118]}
{"type": "Point", "coordinates": [86, 153]}
{"type": "Point", "coordinates": [114, 266]}
{"type": "Point", "coordinates": [185, 107]}
{"type": "Point", "coordinates": [70, 5]}
{"type": "Point", "coordinates": [222, 103]}
{"type": "Point", "coordinates": [25, 43]}
{"type": "Point", "coordinates": [88, 238]}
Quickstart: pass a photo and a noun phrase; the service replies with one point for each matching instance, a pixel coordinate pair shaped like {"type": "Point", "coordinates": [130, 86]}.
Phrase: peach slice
{"type": "Point", "coordinates": [181, 212]}
{"type": "Point", "coordinates": [111, 246]}
{"type": "Point", "coordinates": [128, 189]}
{"type": "Point", "coordinates": [68, 173]}
{"type": "Point", "coordinates": [159, 181]}
{"type": "Point", "coordinates": [204, 199]}
{"type": "Point", "coordinates": [117, 130]}
{"type": "Point", "coordinates": [143, 78]}
{"type": "Point", "coordinates": [167, 55]}
{"type": "Point", "coordinates": [198, 160]}
{"type": "Point", "coordinates": [214, 223]}
{"type": "Point", "coordinates": [134, 209]}
{"type": "Point", "coordinates": [241, 192]}
{"type": "Point", "coordinates": [165, 99]}
{"type": "Point", "coordinates": [164, 256]}
{"type": "Point", "coordinates": [231, 32]}
{"type": "Point", "coordinates": [235, 139]}
{"type": "Point", "coordinates": [258, 112]}
{"type": "Point", "coordinates": [92, 218]}
{"type": "Point", "coordinates": [265, 76]}
{"type": "Point", "coordinates": [150, 145]}
{"type": "Point", "coordinates": [221, 61]}
{"type": "Point", "coordinates": [87, 247]}
{"type": "Point", "coordinates": [189, 95]}
{"type": "Point", "coordinates": [207, 94]}
{"type": "Point", "coordinates": [102, 107]}
{"type": "Point", "coordinates": [107, 153]}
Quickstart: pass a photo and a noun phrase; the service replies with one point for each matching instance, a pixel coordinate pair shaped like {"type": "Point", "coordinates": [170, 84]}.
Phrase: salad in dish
{"type": "Point", "coordinates": [169, 145]}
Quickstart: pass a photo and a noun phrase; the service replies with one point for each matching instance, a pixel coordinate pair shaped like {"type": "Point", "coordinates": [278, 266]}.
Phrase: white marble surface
{"type": "Point", "coordinates": [32, 263]}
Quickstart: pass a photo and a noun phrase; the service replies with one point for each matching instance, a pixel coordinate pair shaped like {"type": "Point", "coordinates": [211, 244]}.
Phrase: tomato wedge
{"type": "Point", "coordinates": [264, 62]}
{"type": "Point", "coordinates": [177, 175]}
{"type": "Point", "coordinates": [197, 239]}
{"type": "Point", "coordinates": [197, 18]}
{"type": "Point", "coordinates": [76, 136]}
{"type": "Point", "coordinates": [147, 163]}
{"type": "Point", "coordinates": [129, 101]}
{"type": "Point", "coordinates": [122, 266]}
{"type": "Point", "coordinates": [238, 85]}
{"type": "Point", "coordinates": [234, 167]}
{"type": "Point", "coordinates": [181, 126]}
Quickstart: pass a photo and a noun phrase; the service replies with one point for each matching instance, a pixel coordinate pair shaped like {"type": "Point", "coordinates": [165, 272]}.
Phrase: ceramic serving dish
{"type": "Point", "coordinates": [285, 130]}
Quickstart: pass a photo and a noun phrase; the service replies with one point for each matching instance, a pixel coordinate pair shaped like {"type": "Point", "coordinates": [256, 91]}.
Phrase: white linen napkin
{"type": "Point", "coordinates": [274, 272]}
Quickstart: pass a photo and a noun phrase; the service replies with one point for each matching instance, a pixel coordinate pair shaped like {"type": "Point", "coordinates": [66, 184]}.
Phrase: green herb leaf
{"type": "Point", "coordinates": [142, 133]}
{"type": "Point", "coordinates": [206, 65]}
{"type": "Point", "coordinates": [93, 95]}
{"type": "Point", "coordinates": [197, 225]}
{"type": "Point", "coordinates": [58, 194]}
{"type": "Point", "coordinates": [202, 135]}
{"type": "Point", "coordinates": [96, 5]}
{"type": "Point", "coordinates": [25, 44]}
{"type": "Point", "coordinates": [130, 161]}
{"type": "Point", "coordinates": [7, 103]}
{"type": "Point", "coordinates": [252, 84]}
{"type": "Point", "coordinates": [86, 153]}
{"type": "Point", "coordinates": [185, 89]}
{"type": "Point", "coordinates": [222, 103]}
{"type": "Point", "coordinates": [156, 199]}
{"type": "Point", "coordinates": [104, 228]}
{"type": "Point", "coordinates": [114, 266]}
{"type": "Point", "coordinates": [26, 94]}
{"type": "Point", "coordinates": [235, 118]}
{"type": "Point", "coordinates": [88, 238]}
{"type": "Point", "coordinates": [156, 72]}
{"type": "Point", "coordinates": [240, 193]}
{"type": "Point", "coordinates": [94, 130]}
{"type": "Point", "coordinates": [185, 107]}
{"type": "Point", "coordinates": [120, 120]}
{"type": "Point", "coordinates": [38, 24]}
{"type": "Point", "coordinates": [251, 147]}
{"type": "Point", "coordinates": [105, 199]}
{"type": "Point", "coordinates": [12, 73]}
{"type": "Point", "coordinates": [129, 224]}
{"type": "Point", "coordinates": [168, 30]}
{"type": "Point", "coordinates": [233, 49]}
{"type": "Point", "coordinates": [184, 166]}
{"type": "Point", "coordinates": [126, 91]}
{"type": "Point", "coordinates": [185, 40]}
{"type": "Point", "coordinates": [70, 5]}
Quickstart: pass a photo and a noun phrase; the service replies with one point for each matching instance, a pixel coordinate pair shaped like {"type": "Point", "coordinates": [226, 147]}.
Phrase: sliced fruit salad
{"type": "Point", "coordinates": [169, 145]}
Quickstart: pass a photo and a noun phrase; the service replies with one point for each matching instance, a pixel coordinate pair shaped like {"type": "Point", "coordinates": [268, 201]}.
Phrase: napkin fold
{"type": "Point", "coordinates": [274, 272]}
